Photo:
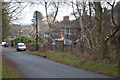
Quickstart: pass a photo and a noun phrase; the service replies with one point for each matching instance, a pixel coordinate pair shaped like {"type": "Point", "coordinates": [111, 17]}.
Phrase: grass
{"type": "Point", "coordinates": [66, 58]}
{"type": "Point", "coordinates": [8, 71]}
{"type": "Point", "coordinates": [0, 69]}
{"type": "Point", "coordinates": [109, 69]}
{"type": "Point", "coordinates": [58, 57]}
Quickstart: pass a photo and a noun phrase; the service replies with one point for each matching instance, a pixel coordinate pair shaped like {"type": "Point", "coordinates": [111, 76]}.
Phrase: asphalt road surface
{"type": "Point", "coordinates": [31, 66]}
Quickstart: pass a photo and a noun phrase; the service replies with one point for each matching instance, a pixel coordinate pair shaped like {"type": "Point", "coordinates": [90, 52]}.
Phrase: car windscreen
{"type": "Point", "coordinates": [21, 45]}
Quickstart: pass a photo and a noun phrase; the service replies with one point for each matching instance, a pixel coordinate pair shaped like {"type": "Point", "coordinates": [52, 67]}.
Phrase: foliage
{"type": "Point", "coordinates": [41, 40]}
{"type": "Point", "coordinates": [39, 17]}
{"type": "Point", "coordinates": [5, 22]}
{"type": "Point", "coordinates": [23, 39]}
{"type": "Point", "coordinates": [10, 12]}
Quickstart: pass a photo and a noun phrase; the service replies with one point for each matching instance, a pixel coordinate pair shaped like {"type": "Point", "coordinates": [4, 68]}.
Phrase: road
{"type": "Point", "coordinates": [31, 66]}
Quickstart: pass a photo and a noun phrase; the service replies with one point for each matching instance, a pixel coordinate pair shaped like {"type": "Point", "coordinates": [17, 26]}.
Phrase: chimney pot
{"type": "Point", "coordinates": [66, 18]}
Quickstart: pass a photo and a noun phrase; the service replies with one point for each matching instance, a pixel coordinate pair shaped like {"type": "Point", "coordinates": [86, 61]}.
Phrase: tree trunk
{"type": "Point", "coordinates": [98, 14]}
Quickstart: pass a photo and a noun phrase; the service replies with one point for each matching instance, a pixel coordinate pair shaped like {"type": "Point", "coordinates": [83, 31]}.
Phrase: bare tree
{"type": "Point", "coordinates": [10, 12]}
{"type": "Point", "coordinates": [80, 14]}
{"type": "Point", "coordinates": [55, 5]}
{"type": "Point", "coordinates": [117, 28]}
{"type": "Point", "coordinates": [14, 9]}
{"type": "Point", "coordinates": [47, 4]}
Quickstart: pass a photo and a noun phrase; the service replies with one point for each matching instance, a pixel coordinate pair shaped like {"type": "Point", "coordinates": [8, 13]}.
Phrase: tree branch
{"type": "Point", "coordinates": [74, 10]}
{"type": "Point", "coordinates": [12, 16]}
{"type": "Point", "coordinates": [57, 8]}
{"type": "Point", "coordinates": [117, 28]}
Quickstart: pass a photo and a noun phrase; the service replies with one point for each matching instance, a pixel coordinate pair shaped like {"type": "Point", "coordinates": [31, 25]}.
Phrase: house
{"type": "Point", "coordinates": [65, 31]}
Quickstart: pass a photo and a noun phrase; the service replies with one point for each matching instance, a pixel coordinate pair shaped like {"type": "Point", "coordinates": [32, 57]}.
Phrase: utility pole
{"type": "Point", "coordinates": [36, 32]}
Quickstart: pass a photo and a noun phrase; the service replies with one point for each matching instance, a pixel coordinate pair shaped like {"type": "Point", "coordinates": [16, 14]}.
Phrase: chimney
{"type": "Point", "coordinates": [66, 18]}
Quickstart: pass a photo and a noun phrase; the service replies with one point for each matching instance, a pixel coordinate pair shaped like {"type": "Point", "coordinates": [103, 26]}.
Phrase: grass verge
{"type": "Point", "coordinates": [108, 69]}
{"type": "Point", "coordinates": [0, 69]}
{"type": "Point", "coordinates": [8, 71]}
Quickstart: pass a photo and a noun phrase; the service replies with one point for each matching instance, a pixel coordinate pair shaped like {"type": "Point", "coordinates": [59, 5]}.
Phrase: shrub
{"type": "Point", "coordinates": [23, 39]}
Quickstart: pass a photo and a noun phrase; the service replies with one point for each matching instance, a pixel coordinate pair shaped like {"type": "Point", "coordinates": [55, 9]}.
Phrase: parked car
{"type": "Point", "coordinates": [21, 47]}
{"type": "Point", "coordinates": [6, 45]}
{"type": "Point", "coordinates": [3, 43]}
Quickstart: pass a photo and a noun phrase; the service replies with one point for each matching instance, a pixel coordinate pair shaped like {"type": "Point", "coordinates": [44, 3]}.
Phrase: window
{"type": "Point", "coordinates": [21, 45]}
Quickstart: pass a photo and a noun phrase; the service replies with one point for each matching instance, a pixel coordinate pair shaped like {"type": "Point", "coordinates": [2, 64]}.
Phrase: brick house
{"type": "Point", "coordinates": [65, 31]}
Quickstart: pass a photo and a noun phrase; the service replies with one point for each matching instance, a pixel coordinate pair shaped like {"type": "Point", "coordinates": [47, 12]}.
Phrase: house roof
{"type": "Point", "coordinates": [71, 24]}
{"type": "Point", "coordinates": [66, 24]}
{"type": "Point", "coordinates": [74, 24]}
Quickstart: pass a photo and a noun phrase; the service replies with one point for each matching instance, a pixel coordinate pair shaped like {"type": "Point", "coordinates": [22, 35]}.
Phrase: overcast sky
{"type": "Point", "coordinates": [27, 13]}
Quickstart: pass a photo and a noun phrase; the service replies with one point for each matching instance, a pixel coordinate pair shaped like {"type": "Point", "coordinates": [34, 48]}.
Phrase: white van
{"type": "Point", "coordinates": [3, 43]}
{"type": "Point", "coordinates": [21, 47]}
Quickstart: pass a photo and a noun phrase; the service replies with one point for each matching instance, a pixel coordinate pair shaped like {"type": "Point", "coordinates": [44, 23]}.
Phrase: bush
{"type": "Point", "coordinates": [23, 39]}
